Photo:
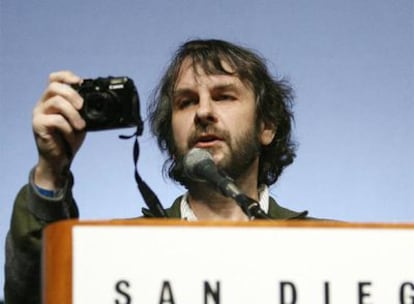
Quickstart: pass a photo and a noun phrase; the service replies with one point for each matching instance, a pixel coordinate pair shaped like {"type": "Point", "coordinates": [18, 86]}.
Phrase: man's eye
{"type": "Point", "coordinates": [224, 97]}
{"type": "Point", "coordinates": [183, 103]}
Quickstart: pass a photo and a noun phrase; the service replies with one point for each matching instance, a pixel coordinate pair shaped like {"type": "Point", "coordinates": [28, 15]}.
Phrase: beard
{"type": "Point", "coordinates": [241, 155]}
{"type": "Point", "coordinates": [237, 160]}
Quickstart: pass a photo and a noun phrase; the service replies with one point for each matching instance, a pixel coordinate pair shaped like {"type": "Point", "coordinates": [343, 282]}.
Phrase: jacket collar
{"type": "Point", "coordinates": [276, 211]}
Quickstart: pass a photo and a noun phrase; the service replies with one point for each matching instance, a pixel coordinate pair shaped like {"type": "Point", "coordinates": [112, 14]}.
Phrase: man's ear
{"type": "Point", "coordinates": [267, 133]}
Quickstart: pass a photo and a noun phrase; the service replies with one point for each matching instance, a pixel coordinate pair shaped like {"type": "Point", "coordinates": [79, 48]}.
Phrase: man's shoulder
{"type": "Point", "coordinates": [172, 212]}
{"type": "Point", "coordinates": [278, 212]}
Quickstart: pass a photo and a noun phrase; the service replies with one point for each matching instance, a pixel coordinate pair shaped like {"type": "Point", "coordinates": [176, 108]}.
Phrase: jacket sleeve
{"type": "Point", "coordinates": [31, 213]}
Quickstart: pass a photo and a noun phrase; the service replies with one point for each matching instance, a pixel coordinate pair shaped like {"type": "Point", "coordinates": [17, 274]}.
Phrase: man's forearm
{"type": "Point", "coordinates": [31, 213]}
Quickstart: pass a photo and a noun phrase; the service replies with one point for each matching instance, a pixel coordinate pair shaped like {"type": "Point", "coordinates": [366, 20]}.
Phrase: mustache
{"type": "Point", "coordinates": [207, 131]}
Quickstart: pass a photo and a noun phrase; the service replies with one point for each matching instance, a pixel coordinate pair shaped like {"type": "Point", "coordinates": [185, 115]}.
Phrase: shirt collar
{"type": "Point", "coordinates": [188, 214]}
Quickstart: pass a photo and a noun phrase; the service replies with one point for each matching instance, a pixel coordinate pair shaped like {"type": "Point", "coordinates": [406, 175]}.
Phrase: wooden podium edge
{"type": "Point", "coordinates": [66, 225]}
{"type": "Point", "coordinates": [57, 281]}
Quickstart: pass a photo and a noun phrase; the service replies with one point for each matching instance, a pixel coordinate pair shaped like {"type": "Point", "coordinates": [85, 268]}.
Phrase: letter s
{"type": "Point", "coordinates": [121, 287]}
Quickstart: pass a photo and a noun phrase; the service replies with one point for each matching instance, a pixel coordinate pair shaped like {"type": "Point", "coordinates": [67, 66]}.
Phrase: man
{"type": "Point", "coordinates": [214, 96]}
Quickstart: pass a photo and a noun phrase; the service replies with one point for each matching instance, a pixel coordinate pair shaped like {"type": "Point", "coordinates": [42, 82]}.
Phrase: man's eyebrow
{"type": "Point", "coordinates": [217, 87]}
{"type": "Point", "coordinates": [182, 92]}
{"type": "Point", "coordinates": [226, 87]}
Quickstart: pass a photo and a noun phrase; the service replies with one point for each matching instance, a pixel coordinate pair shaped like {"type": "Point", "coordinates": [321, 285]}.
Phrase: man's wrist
{"type": "Point", "coordinates": [47, 178]}
{"type": "Point", "coordinates": [51, 208]}
{"type": "Point", "coordinates": [46, 192]}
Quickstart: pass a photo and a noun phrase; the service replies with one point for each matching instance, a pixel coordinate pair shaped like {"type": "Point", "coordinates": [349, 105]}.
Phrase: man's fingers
{"type": "Point", "coordinates": [65, 91]}
{"type": "Point", "coordinates": [60, 105]}
{"type": "Point", "coordinates": [48, 128]}
{"type": "Point", "coordinates": [64, 77]}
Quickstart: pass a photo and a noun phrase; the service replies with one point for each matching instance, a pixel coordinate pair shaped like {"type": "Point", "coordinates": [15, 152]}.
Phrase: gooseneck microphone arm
{"type": "Point", "coordinates": [251, 207]}
{"type": "Point", "coordinates": [199, 166]}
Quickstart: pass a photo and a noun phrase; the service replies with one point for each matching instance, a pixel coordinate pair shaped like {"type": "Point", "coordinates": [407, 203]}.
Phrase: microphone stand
{"type": "Point", "coordinates": [250, 207]}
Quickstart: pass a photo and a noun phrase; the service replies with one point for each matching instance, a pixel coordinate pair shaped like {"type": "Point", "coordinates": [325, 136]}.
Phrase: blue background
{"type": "Point", "coordinates": [350, 62]}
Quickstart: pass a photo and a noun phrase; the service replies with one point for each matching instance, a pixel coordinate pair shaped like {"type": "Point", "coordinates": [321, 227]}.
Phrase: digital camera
{"type": "Point", "coordinates": [109, 103]}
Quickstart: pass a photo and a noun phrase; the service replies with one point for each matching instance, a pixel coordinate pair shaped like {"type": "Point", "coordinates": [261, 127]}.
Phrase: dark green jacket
{"type": "Point", "coordinates": [33, 211]}
{"type": "Point", "coordinates": [276, 212]}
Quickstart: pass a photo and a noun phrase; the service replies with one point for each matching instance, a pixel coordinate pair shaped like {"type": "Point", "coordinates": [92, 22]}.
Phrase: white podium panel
{"type": "Point", "coordinates": [243, 263]}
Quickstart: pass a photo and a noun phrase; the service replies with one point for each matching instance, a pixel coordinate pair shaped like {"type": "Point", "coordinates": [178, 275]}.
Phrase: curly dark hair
{"type": "Point", "coordinates": [274, 100]}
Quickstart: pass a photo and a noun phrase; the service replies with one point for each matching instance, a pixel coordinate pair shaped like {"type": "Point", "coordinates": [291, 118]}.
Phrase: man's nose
{"type": "Point", "coordinates": [205, 113]}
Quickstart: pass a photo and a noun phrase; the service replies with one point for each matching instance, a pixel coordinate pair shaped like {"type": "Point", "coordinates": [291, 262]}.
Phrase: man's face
{"type": "Point", "coordinates": [217, 113]}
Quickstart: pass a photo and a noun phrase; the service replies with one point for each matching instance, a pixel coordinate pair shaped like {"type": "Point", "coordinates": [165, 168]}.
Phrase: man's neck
{"type": "Point", "coordinates": [214, 206]}
{"type": "Point", "coordinates": [208, 204]}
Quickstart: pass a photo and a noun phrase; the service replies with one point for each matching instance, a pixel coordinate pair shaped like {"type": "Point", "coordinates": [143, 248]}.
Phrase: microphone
{"type": "Point", "coordinates": [199, 166]}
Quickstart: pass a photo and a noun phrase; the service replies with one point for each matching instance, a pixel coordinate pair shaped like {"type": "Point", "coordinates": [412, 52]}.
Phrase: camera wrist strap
{"type": "Point", "coordinates": [150, 198]}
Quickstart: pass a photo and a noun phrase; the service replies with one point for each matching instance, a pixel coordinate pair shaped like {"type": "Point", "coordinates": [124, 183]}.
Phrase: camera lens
{"type": "Point", "coordinates": [95, 106]}
{"type": "Point", "coordinates": [101, 107]}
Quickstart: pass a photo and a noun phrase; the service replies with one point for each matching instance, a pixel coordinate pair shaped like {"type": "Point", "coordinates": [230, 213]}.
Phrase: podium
{"type": "Point", "coordinates": [173, 261]}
